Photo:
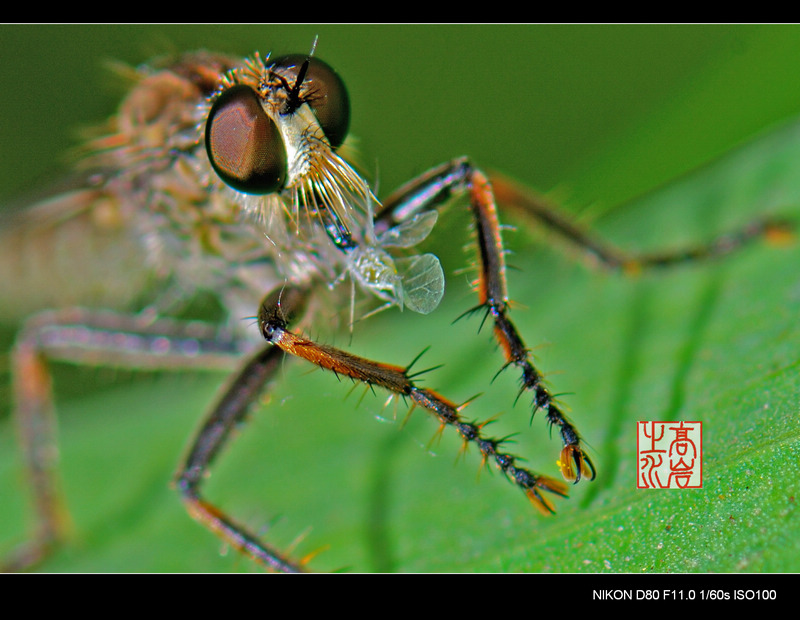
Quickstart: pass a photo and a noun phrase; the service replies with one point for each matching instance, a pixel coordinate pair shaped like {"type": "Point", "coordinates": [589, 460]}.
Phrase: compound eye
{"type": "Point", "coordinates": [323, 90]}
{"type": "Point", "coordinates": [243, 144]}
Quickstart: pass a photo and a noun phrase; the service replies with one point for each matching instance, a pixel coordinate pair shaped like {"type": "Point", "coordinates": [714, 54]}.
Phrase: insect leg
{"type": "Point", "coordinates": [433, 190]}
{"type": "Point", "coordinates": [527, 205]}
{"type": "Point", "coordinates": [229, 411]}
{"type": "Point", "coordinates": [274, 327]}
{"type": "Point", "coordinates": [96, 339]}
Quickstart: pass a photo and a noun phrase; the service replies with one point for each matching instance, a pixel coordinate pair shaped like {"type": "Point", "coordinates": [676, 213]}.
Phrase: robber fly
{"type": "Point", "coordinates": [229, 176]}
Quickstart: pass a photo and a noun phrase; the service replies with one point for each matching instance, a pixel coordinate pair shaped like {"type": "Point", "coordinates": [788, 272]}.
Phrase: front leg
{"type": "Point", "coordinates": [274, 325]}
{"type": "Point", "coordinates": [493, 298]}
{"type": "Point", "coordinates": [435, 189]}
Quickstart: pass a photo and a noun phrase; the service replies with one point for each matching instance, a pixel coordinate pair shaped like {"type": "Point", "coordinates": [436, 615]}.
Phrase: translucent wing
{"type": "Point", "coordinates": [423, 282]}
{"type": "Point", "coordinates": [409, 232]}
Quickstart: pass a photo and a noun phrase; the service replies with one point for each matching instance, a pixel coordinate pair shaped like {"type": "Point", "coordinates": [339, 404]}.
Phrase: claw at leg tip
{"type": "Point", "coordinates": [574, 464]}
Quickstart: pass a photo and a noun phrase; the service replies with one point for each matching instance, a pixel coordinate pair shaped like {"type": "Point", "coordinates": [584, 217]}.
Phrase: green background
{"type": "Point", "coordinates": [603, 118]}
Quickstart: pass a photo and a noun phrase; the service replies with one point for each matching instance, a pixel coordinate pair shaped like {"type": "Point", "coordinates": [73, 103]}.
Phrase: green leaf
{"type": "Point", "coordinates": [717, 343]}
